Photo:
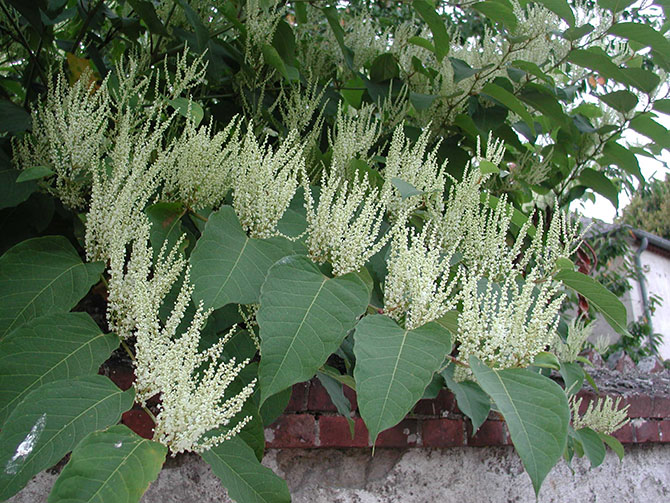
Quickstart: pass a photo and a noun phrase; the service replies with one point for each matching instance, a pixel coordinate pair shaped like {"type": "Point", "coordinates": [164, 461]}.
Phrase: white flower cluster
{"type": "Point", "coordinates": [507, 324]}
{"type": "Point", "coordinates": [578, 334]}
{"type": "Point", "coordinates": [345, 227]}
{"type": "Point", "coordinates": [265, 182]}
{"type": "Point", "coordinates": [69, 136]}
{"type": "Point", "coordinates": [354, 134]}
{"type": "Point", "coordinates": [198, 165]}
{"type": "Point", "coordinates": [418, 285]}
{"type": "Point", "coordinates": [413, 165]}
{"type": "Point", "coordinates": [602, 415]}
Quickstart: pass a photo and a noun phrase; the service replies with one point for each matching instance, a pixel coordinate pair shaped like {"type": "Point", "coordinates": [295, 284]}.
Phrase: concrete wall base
{"type": "Point", "coordinates": [464, 474]}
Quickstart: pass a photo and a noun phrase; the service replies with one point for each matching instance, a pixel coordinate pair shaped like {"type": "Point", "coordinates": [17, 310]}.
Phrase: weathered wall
{"type": "Point", "coordinates": [463, 474]}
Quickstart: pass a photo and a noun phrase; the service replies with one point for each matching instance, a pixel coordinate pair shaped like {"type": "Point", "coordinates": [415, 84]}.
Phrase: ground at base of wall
{"type": "Point", "coordinates": [463, 475]}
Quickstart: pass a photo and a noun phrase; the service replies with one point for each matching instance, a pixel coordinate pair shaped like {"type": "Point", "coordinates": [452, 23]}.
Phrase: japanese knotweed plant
{"type": "Point", "coordinates": [354, 213]}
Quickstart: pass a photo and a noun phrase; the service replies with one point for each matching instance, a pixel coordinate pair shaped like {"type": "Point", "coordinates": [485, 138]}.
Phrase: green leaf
{"type": "Point", "coordinates": [613, 444]}
{"type": "Point", "coordinates": [274, 406]}
{"type": "Point", "coordinates": [147, 13]}
{"type": "Point", "coordinates": [42, 276]}
{"type": "Point", "coordinates": [51, 421]}
{"type": "Point", "coordinates": [497, 12]}
{"type": "Point", "coordinates": [577, 32]}
{"type": "Point", "coordinates": [333, 19]}
{"type": "Point", "coordinates": [422, 42]}
{"type": "Point", "coordinates": [406, 189]}
{"type": "Point", "coordinates": [34, 173]}
{"type": "Point", "coordinates": [50, 348]}
{"type": "Point", "coordinates": [12, 193]}
{"type": "Point", "coordinates": [561, 8]}
{"type": "Point", "coordinates": [229, 266]}
{"type": "Point", "coordinates": [114, 466]}
{"type": "Point", "coordinates": [487, 167]}
{"type": "Point", "coordinates": [188, 108]}
{"type": "Point", "coordinates": [441, 40]}
{"type": "Point", "coordinates": [573, 377]}
{"type": "Point", "coordinates": [384, 67]}
{"type": "Point", "coordinates": [421, 102]}
{"type": "Point", "coordinates": [518, 218]}
{"type": "Point", "coordinates": [615, 5]}
{"type": "Point", "coordinates": [13, 118]}
{"type": "Point", "coordinates": [592, 444]}
{"type": "Point", "coordinates": [303, 318]}
{"type": "Point", "coordinates": [393, 368]}
{"type": "Point", "coordinates": [546, 360]}
{"type": "Point", "coordinates": [335, 391]}
{"type": "Point", "coordinates": [272, 58]}
{"type": "Point", "coordinates": [284, 41]}
{"type": "Point", "coordinates": [622, 101]}
{"type": "Point", "coordinates": [449, 321]}
{"type": "Point", "coordinates": [462, 70]}
{"type": "Point", "coordinates": [201, 32]}
{"type": "Point", "coordinates": [644, 34]}
{"type": "Point", "coordinates": [642, 79]}
{"type": "Point", "coordinates": [471, 399]}
{"type": "Point", "coordinates": [622, 157]}
{"type": "Point", "coordinates": [601, 184]}
{"type": "Point", "coordinates": [509, 100]}
{"type": "Point", "coordinates": [544, 101]}
{"type": "Point", "coordinates": [645, 125]}
{"type": "Point", "coordinates": [662, 106]}
{"type": "Point", "coordinates": [246, 480]}
{"type": "Point", "coordinates": [536, 411]}
{"type": "Point", "coordinates": [599, 296]}
{"type": "Point", "coordinates": [565, 263]}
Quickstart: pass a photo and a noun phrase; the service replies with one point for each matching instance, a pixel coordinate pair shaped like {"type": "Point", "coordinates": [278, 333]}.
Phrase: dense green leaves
{"type": "Point", "coordinates": [246, 480]}
{"type": "Point", "coordinates": [536, 411]}
{"type": "Point", "coordinates": [303, 318]}
{"type": "Point", "coordinates": [393, 367]}
{"type": "Point", "coordinates": [42, 276]}
{"type": "Point", "coordinates": [601, 184]}
{"type": "Point", "coordinates": [441, 38]}
{"type": "Point", "coordinates": [599, 296]}
{"type": "Point", "coordinates": [111, 466]}
{"type": "Point", "coordinates": [229, 266]}
{"type": "Point", "coordinates": [46, 349]}
{"type": "Point", "coordinates": [509, 100]}
{"type": "Point", "coordinates": [50, 421]}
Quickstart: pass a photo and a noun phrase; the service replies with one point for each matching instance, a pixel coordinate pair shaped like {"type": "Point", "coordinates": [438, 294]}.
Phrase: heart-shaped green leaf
{"type": "Point", "coordinates": [393, 368]}
{"type": "Point", "coordinates": [303, 318]}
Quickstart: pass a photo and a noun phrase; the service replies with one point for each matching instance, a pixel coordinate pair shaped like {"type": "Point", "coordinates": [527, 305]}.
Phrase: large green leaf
{"type": "Point", "coordinates": [645, 125]}
{"type": "Point", "coordinates": [644, 34]}
{"type": "Point", "coordinates": [622, 100]}
{"type": "Point", "coordinates": [49, 348]}
{"type": "Point", "coordinates": [613, 153]}
{"type": "Point", "coordinates": [229, 266]}
{"type": "Point", "coordinates": [51, 421]}
{"type": "Point", "coordinates": [110, 466]}
{"type": "Point", "coordinates": [303, 318]}
{"type": "Point", "coordinates": [393, 368]}
{"type": "Point", "coordinates": [147, 13]}
{"type": "Point", "coordinates": [600, 297]}
{"type": "Point", "coordinates": [246, 480]}
{"type": "Point", "coordinates": [592, 445]}
{"type": "Point", "coordinates": [441, 39]}
{"type": "Point", "coordinates": [536, 411]}
{"type": "Point", "coordinates": [497, 12]}
{"type": "Point", "coordinates": [42, 276]}
{"type": "Point", "coordinates": [13, 118]}
{"type": "Point", "coordinates": [561, 8]}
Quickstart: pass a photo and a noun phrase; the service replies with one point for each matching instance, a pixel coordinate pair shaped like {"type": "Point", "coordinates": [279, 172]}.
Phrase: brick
{"type": "Point", "coordinates": [647, 432]}
{"type": "Point", "coordinates": [298, 400]}
{"type": "Point", "coordinates": [489, 433]}
{"type": "Point", "coordinates": [640, 405]}
{"type": "Point", "coordinates": [292, 430]}
{"type": "Point", "coordinates": [625, 434]}
{"type": "Point", "coordinates": [664, 430]}
{"type": "Point", "coordinates": [123, 377]}
{"type": "Point", "coordinates": [318, 399]}
{"type": "Point", "coordinates": [351, 395]}
{"type": "Point", "coordinates": [442, 432]}
{"type": "Point", "coordinates": [445, 402]}
{"type": "Point", "coordinates": [334, 432]}
{"type": "Point", "coordinates": [140, 422]}
{"type": "Point", "coordinates": [661, 407]}
{"type": "Point", "coordinates": [404, 434]}
{"type": "Point", "coordinates": [425, 408]}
